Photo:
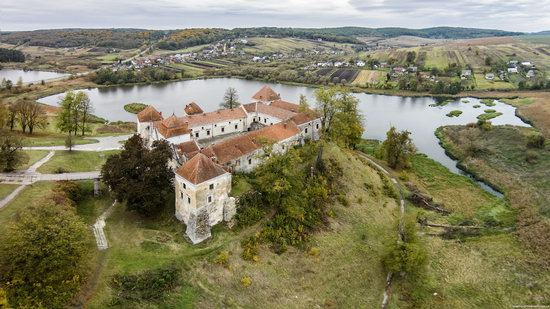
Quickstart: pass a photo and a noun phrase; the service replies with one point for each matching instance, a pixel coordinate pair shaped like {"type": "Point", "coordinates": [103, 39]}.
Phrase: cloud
{"type": "Point", "coordinates": [516, 15]}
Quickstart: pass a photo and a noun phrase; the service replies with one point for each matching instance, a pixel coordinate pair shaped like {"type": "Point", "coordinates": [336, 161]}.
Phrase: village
{"type": "Point", "coordinates": [208, 147]}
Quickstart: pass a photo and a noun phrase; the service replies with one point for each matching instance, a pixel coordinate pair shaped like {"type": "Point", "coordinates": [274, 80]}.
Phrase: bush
{"type": "Point", "coordinates": [222, 259]}
{"type": "Point", "coordinates": [150, 285]}
{"type": "Point", "coordinates": [250, 248]}
{"type": "Point", "coordinates": [536, 140]}
{"type": "Point", "coordinates": [71, 189]}
{"type": "Point", "coordinates": [246, 281]}
{"type": "Point", "coordinates": [531, 156]}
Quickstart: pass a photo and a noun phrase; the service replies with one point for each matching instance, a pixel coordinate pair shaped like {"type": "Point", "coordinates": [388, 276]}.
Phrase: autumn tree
{"type": "Point", "coordinates": [341, 119]}
{"type": "Point", "coordinates": [398, 148]}
{"type": "Point", "coordinates": [75, 110]}
{"type": "Point", "coordinates": [85, 108]}
{"type": "Point", "coordinates": [11, 155]}
{"type": "Point", "coordinates": [303, 105]}
{"type": "Point", "coordinates": [30, 115]}
{"type": "Point", "coordinates": [230, 99]}
{"type": "Point", "coordinates": [140, 176]}
{"type": "Point", "coordinates": [4, 113]}
{"type": "Point", "coordinates": [43, 256]}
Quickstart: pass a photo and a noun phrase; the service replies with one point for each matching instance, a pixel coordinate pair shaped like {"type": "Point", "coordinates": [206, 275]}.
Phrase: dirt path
{"type": "Point", "coordinates": [387, 289]}
{"type": "Point", "coordinates": [99, 233]}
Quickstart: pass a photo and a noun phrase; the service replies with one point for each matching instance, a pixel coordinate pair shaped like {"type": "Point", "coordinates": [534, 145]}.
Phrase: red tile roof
{"type": "Point", "coordinates": [304, 117]}
{"type": "Point", "coordinates": [266, 94]}
{"type": "Point", "coordinates": [188, 147]}
{"type": "Point", "coordinates": [215, 117]}
{"type": "Point", "coordinates": [200, 169]}
{"type": "Point", "coordinates": [149, 114]}
{"type": "Point", "coordinates": [172, 126]}
{"type": "Point", "coordinates": [239, 146]}
{"type": "Point", "coordinates": [273, 111]}
{"type": "Point", "coordinates": [286, 105]}
{"type": "Point", "coordinates": [193, 108]}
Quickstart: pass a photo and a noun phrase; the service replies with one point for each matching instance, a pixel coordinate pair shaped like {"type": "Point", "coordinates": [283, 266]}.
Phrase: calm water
{"type": "Point", "coordinates": [28, 76]}
{"type": "Point", "coordinates": [380, 111]}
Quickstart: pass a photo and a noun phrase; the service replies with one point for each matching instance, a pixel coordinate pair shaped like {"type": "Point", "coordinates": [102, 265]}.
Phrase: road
{"type": "Point", "coordinates": [387, 289]}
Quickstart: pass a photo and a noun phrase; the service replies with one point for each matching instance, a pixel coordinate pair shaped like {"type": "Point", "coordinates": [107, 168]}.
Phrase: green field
{"type": "Point", "coordinates": [34, 156]}
{"type": "Point", "coordinates": [75, 161]}
{"type": "Point", "coordinates": [6, 189]}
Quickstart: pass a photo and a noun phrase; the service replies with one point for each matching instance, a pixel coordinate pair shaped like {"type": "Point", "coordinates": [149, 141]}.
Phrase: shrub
{"type": "Point", "coordinates": [150, 285]}
{"type": "Point", "coordinates": [484, 125]}
{"type": "Point", "coordinates": [250, 248]}
{"type": "Point", "coordinates": [535, 140]}
{"type": "Point", "coordinates": [531, 156]}
{"type": "Point", "coordinates": [246, 281]}
{"type": "Point", "coordinates": [71, 189]}
{"type": "Point", "coordinates": [222, 259]}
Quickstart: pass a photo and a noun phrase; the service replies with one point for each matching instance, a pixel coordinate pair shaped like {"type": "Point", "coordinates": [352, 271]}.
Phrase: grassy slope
{"type": "Point", "coordinates": [6, 189]}
{"type": "Point", "coordinates": [76, 161]}
{"type": "Point", "coordinates": [489, 271]}
{"type": "Point", "coordinates": [345, 273]}
{"type": "Point", "coordinates": [34, 155]}
{"type": "Point", "coordinates": [25, 198]}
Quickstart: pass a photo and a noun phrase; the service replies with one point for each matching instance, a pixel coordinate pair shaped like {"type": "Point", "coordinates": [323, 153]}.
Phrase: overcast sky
{"type": "Point", "coordinates": [513, 15]}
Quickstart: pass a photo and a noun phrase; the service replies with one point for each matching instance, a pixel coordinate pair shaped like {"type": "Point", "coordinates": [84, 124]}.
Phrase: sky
{"type": "Point", "coordinates": [512, 15]}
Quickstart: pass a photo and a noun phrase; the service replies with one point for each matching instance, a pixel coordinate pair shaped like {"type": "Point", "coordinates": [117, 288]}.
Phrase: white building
{"type": "Point", "coordinates": [203, 181]}
{"type": "Point", "coordinates": [202, 199]}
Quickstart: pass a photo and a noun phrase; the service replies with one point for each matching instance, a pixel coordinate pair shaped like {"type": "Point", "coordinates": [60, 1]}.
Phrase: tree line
{"type": "Point", "coordinates": [11, 55]}
{"type": "Point", "coordinates": [107, 76]}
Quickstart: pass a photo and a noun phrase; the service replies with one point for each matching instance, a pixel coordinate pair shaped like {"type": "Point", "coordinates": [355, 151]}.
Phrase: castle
{"type": "Point", "coordinates": [208, 147]}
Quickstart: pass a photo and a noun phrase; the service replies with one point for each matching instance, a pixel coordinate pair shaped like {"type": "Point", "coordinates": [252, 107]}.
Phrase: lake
{"type": "Point", "coordinates": [380, 111]}
{"type": "Point", "coordinates": [28, 76]}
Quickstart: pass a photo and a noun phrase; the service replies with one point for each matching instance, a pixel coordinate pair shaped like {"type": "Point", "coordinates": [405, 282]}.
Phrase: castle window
{"type": "Point", "coordinates": [209, 199]}
{"type": "Point", "coordinates": [249, 161]}
{"type": "Point", "coordinates": [317, 126]}
{"type": "Point", "coordinates": [208, 132]}
{"type": "Point", "coordinates": [181, 194]}
{"type": "Point", "coordinates": [236, 126]}
{"type": "Point", "coordinates": [211, 186]}
{"type": "Point", "coordinates": [184, 185]}
{"type": "Point", "coordinates": [306, 130]}
{"type": "Point", "coordinates": [223, 129]}
{"type": "Point", "coordinates": [188, 200]}
{"type": "Point", "coordinates": [197, 134]}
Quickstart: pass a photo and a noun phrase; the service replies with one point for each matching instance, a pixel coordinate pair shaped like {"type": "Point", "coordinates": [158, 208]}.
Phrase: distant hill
{"type": "Point", "coordinates": [174, 39]}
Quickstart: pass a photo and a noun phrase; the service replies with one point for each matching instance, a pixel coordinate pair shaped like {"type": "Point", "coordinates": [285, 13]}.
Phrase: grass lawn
{"type": "Point", "coordinates": [484, 84]}
{"type": "Point", "coordinates": [76, 161]}
{"type": "Point", "coordinates": [52, 139]}
{"type": "Point", "coordinates": [24, 199]}
{"type": "Point", "coordinates": [34, 156]}
{"type": "Point", "coordinates": [6, 189]}
{"type": "Point", "coordinates": [344, 270]}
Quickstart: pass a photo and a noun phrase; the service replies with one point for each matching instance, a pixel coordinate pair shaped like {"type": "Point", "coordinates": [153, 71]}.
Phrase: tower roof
{"type": "Point", "coordinates": [193, 108]}
{"type": "Point", "coordinates": [200, 169]}
{"type": "Point", "coordinates": [266, 94]}
{"type": "Point", "coordinates": [149, 114]}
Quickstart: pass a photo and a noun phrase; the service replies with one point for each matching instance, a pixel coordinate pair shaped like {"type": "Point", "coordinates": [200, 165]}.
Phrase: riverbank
{"type": "Point", "coordinates": [501, 156]}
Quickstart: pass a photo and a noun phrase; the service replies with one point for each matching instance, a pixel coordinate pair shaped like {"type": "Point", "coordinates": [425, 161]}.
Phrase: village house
{"type": "Point", "coordinates": [233, 140]}
{"type": "Point", "coordinates": [490, 76]}
{"type": "Point", "coordinates": [465, 74]}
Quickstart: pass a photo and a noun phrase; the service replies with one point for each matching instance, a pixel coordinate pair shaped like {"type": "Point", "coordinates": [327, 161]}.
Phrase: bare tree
{"type": "Point", "coordinates": [30, 115]}
{"type": "Point", "coordinates": [230, 99]}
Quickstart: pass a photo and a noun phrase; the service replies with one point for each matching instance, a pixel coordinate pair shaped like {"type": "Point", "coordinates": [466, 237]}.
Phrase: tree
{"type": "Point", "coordinates": [84, 107]}
{"type": "Point", "coordinates": [304, 105]}
{"type": "Point", "coordinates": [398, 148]}
{"type": "Point", "coordinates": [341, 120]}
{"type": "Point", "coordinates": [11, 155]}
{"type": "Point", "coordinates": [30, 115]}
{"type": "Point", "coordinates": [68, 119]}
{"type": "Point", "coordinates": [411, 55]}
{"type": "Point", "coordinates": [140, 176]}
{"type": "Point", "coordinates": [43, 256]}
{"type": "Point", "coordinates": [19, 83]}
{"type": "Point", "coordinates": [12, 117]}
{"type": "Point", "coordinates": [230, 99]}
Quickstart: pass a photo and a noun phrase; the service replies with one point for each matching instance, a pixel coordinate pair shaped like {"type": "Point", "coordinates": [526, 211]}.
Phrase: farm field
{"type": "Point", "coordinates": [484, 84]}
{"type": "Point", "coordinates": [368, 76]}
{"type": "Point", "coordinates": [75, 161]}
